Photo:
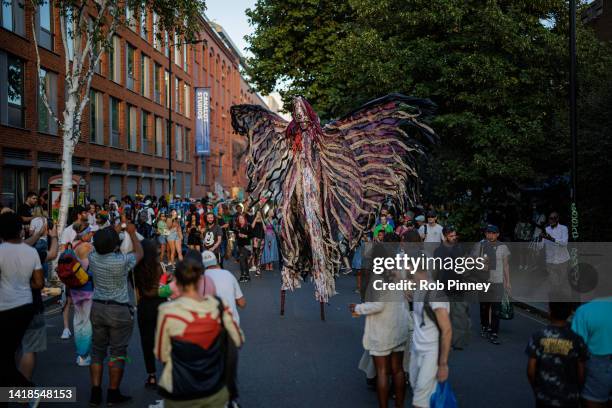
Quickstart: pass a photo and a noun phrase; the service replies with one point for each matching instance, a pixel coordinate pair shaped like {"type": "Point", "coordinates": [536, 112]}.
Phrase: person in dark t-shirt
{"type": "Point", "coordinates": [25, 209]}
{"type": "Point", "coordinates": [212, 234]}
{"type": "Point", "coordinates": [557, 358]}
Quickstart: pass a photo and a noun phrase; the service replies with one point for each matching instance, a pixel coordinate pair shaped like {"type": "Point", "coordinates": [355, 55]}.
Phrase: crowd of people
{"type": "Point", "coordinates": [123, 259]}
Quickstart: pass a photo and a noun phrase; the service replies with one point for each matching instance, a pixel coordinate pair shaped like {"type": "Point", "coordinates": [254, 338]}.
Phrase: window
{"type": "Point", "coordinates": [114, 60]}
{"type": "Point", "coordinates": [13, 17]}
{"type": "Point", "coordinates": [130, 17]}
{"type": "Point", "coordinates": [45, 25]}
{"type": "Point", "coordinates": [167, 82]}
{"type": "Point", "coordinates": [145, 86]}
{"type": "Point", "coordinates": [157, 78]}
{"type": "Point", "coordinates": [143, 24]}
{"type": "Point", "coordinates": [202, 170]}
{"type": "Point", "coordinates": [159, 136]}
{"type": "Point", "coordinates": [130, 77]}
{"type": "Point", "coordinates": [167, 45]}
{"type": "Point", "coordinates": [178, 143]}
{"type": "Point", "coordinates": [185, 57]}
{"type": "Point", "coordinates": [11, 85]}
{"type": "Point", "coordinates": [156, 39]}
{"type": "Point", "coordinates": [96, 117]}
{"type": "Point", "coordinates": [131, 127]}
{"type": "Point", "coordinates": [186, 100]}
{"type": "Point", "coordinates": [177, 102]}
{"type": "Point", "coordinates": [114, 125]}
{"type": "Point", "coordinates": [177, 52]}
{"type": "Point", "coordinates": [145, 140]}
{"type": "Point", "coordinates": [47, 84]}
{"type": "Point", "coordinates": [186, 145]}
{"type": "Point", "coordinates": [220, 166]}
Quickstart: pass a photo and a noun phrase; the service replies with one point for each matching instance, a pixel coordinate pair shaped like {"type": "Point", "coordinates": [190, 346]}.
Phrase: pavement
{"type": "Point", "coordinates": [299, 361]}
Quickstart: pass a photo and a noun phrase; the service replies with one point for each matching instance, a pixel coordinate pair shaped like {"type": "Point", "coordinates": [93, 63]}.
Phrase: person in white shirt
{"type": "Point", "coordinates": [431, 233]}
{"type": "Point", "coordinates": [554, 240]}
{"type": "Point", "coordinates": [226, 285]}
{"type": "Point", "coordinates": [431, 343]}
{"type": "Point", "coordinates": [228, 289]}
{"type": "Point", "coordinates": [20, 272]}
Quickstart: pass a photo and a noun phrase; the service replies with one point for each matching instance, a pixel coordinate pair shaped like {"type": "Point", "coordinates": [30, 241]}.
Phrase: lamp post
{"type": "Point", "coordinates": [573, 120]}
{"type": "Point", "coordinates": [169, 96]}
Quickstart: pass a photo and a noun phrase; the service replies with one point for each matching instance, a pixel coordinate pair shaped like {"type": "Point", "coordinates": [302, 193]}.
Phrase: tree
{"type": "Point", "coordinates": [497, 70]}
{"type": "Point", "coordinates": [87, 28]}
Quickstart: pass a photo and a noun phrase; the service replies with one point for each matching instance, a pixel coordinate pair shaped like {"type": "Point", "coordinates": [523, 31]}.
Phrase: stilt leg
{"type": "Point", "coordinates": [322, 311]}
{"type": "Point", "coordinates": [282, 311]}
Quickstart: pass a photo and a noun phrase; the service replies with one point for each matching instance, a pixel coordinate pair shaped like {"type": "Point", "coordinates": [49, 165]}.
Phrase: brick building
{"type": "Point", "coordinates": [599, 16]}
{"type": "Point", "coordinates": [123, 147]}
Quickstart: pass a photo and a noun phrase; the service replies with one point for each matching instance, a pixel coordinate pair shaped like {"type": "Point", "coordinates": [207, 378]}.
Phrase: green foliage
{"type": "Point", "coordinates": [498, 74]}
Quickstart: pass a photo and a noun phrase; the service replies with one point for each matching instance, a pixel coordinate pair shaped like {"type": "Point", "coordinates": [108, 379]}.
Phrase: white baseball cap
{"type": "Point", "coordinates": [209, 259]}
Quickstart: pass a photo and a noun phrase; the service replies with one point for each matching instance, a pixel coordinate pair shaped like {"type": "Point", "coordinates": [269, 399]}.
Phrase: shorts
{"type": "Point", "coordinates": [162, 240]}
{"type": "Point", "coordinates": [173, 236]}
{"type": "Point", "coordinates": [35, 338]}
{"type": "Point", "coordinates": [112, 326]}
{"type": "Point", "coordinates": [396, 349]}
{"type": "Point", "coordinates": [423, 371]}
{"type": "Point", "coordinates": [598, 381]}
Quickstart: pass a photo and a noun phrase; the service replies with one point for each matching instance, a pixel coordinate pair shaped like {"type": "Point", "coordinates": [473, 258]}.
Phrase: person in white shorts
{"type": "Point", "coordinates": [431, 342]}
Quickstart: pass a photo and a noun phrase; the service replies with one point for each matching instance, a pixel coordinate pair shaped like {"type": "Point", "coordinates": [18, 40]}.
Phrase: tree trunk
{"type": "Point", "coordinates": [67, 151]}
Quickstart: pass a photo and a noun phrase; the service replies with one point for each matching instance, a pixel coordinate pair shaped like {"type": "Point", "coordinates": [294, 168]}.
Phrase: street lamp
{"type": "Point", "coordinates": [169, 96]}
{"type": "Point", "coordinates": [573, 120]}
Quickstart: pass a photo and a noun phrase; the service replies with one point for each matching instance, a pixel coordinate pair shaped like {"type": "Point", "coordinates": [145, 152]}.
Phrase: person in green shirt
{"type": "Point", "coordinates": [163, 231]}
{"type": "Point", "coordinates": [384, 226]}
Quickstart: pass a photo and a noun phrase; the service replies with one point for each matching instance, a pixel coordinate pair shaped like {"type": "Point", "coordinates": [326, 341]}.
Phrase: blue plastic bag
{"type": "Point", "coordinates": [443, 397]}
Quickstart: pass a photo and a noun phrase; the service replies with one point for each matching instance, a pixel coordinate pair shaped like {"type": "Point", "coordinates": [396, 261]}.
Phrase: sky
{"type": "Point", "coordinates": [230, 14]}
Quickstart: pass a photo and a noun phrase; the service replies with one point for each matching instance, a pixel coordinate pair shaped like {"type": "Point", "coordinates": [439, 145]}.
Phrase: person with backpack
{"type": "Point", "coordinates": [194, 334]}
{"type": "Point", "coordinates": [82, 299]}
{"type": "Point", "coordinates": [431, 342]}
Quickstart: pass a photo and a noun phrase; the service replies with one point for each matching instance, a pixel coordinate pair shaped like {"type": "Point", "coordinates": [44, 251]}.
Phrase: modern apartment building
{"type": "Point", "coordinates": [124, 142]}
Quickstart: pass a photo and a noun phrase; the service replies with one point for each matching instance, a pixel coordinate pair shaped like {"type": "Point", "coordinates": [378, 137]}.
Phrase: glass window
{"type": "Point", "coordinates": [114, 60]}
{"type": "Point", "coordinates": [178, 143]}
{"type": "Point", "coordinates": [12, 16]}
{"type": "Point", "coordinates": [186, 145]}
{"type": "Point", "coordinates": [114, 125]}
{"type": "Point", "coordinates": [12, 105]}
{"type": "Point", "coordinates": [143, 23]}
{"type": "Point", "coordinates": [145, 140]}
{"type": "Point", "coordinates": [96, 118]}
{"type": "Point", "coordinates": [177, 102]}
{"type": "Point", "coordinates": [130, 67]}
{"type": "Point", "coordinates": [185, 57]}
{"type": "Point", "coordinates": [47, 86]}
{"type": "Point", "coordinates": [156, 39]}
{"type": "Point", "coordinates": [186, 100]}
{"type": "Point", "coordinates": [202, 173]}
{"type": "Point", "coordinates": [129, 17]}
{"type": "Point", "coordinates": [167, 45]}
{"type": "Point", "coordinates": [144, 76]}
{"type": "Point", "coordinates": [167, 82]}
{"type": "Point", "coordinates": [159, 135]}
{"type": "Point", "coordinates": [157, 83]}
{"type": "Point", "coordinates": [131, 127]}
{"type": "Point", "coordinates": [45, 28]}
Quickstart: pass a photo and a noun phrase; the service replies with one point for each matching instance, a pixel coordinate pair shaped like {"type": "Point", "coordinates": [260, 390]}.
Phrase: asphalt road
{"type": "Point", "coordinates": [299, 361]}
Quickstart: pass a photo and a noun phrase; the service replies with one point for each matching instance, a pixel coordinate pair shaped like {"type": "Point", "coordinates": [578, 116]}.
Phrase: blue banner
{"type": "Point", "coordinates": [202, 129]}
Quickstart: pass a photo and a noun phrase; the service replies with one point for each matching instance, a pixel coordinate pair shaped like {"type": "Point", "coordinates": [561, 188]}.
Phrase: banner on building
{"type": "Point", "coordinates": [202, 128]}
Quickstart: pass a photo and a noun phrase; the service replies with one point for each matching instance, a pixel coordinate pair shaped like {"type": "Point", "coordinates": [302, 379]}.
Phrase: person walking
{"type": "Point", "coordinates": [554, 239]}
{"type": "Point", "coordinates": [21, 271]}
{"type": "Point", "coordinates": [112, 316]}
{"type": "Point", "coordinates": [557, 357]}
{"type": "Point", "coordinates": [82, 300]}
{"type": "Point", "coordinates": [189, 342]}
{"type": "Point", "coordinates": [270, 254]}
{"type": "Point", "coordinates": [592, 322]}
{"type": "Point", "coordinates": [162, 236]}
{"type": "Point", "coordinates": [147, 274]}
{"type": "Point", "coordinates": [243, 242]}
{"type": "Point", "coordinates": [175, 240]}
{"type": "Point", "coordinates": [498, 264]}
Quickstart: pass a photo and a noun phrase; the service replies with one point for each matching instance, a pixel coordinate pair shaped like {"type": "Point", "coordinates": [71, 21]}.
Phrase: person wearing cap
{"type": "Point", "coordinates": [419, 220]}
{"type": "Point", "coordinates": [497, 257]}
{"type": "Point", "coordinates": [432, 231]}
{"type": "Point", "coordinates": [228, 289]}
{"type": "Point", "coordinates": [148, 211]}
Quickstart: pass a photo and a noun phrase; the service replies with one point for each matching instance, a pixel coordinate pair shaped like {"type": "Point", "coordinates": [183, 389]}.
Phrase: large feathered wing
{"type": "Point", "coordinates": [269, 155]}
{"type": "Point", "coordinates": [370, 155]}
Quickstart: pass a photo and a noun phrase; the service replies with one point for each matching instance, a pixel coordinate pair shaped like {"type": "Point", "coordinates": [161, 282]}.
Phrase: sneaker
{"type": "Point", "coordinates": [485, 332]}
{"type": "Point", "coordinates": [83, 361]}
{"type": "Point", "coordinates": [95, 399]}
{"type": "Point", "coordinates": [252, 269]}
{"type": "Point", "coordinates": [494, 339]}
{"type": "Point", "coordinates": [66, 334]}
{"type": "Point", "coordinates": [114, 397]}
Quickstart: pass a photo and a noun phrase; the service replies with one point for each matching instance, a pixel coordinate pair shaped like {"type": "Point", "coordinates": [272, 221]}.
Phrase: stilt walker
{"type": "Point", "coordinates": [329, 182]}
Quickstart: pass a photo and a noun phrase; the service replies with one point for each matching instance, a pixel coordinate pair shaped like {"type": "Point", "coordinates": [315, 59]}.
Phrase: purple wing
{"type": "Point", "coordinates": [369, 156]}
{"type": "Point", "coordinates": [268, 153]}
